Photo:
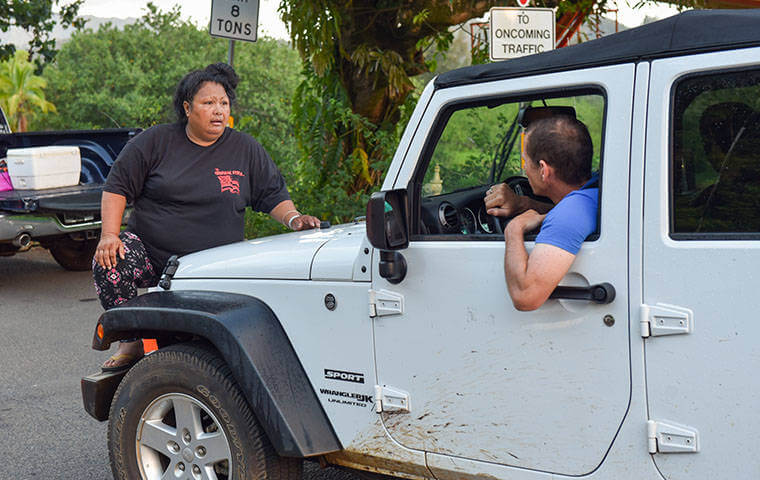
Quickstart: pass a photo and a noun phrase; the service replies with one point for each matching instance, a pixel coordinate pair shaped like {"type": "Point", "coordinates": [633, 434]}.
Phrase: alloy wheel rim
{"type": "Point", "coordinates": [179, 437]}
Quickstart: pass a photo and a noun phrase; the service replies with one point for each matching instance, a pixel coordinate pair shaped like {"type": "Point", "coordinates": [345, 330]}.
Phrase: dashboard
{"type": "Point", "coordinates": [463, 212]}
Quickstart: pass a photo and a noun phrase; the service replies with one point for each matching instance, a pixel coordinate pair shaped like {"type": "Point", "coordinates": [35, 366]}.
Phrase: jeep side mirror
{"type": "Point", "coordinates": [386, 220]}
{"type": "Point", "coordinates": [386, 230]}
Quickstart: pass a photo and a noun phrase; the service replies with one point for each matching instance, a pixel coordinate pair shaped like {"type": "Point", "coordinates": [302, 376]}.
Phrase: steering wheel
{"type": "Point", "coordinates": [521, 186]}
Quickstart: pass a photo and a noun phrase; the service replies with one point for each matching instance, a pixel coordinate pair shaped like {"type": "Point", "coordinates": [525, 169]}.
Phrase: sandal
{"type": "Point", "coordinates": [131, 359]}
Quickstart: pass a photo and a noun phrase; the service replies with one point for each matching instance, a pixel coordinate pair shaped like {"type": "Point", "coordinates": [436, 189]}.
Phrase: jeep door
{"type": "Point", "coordinates": [701, 251]}
{"type": "Point", "coordinates": [489, 386]}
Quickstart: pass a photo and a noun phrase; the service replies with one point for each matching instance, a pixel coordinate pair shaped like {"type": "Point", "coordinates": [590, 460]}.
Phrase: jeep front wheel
{"type": "Point", "coordinates": [178, 413]}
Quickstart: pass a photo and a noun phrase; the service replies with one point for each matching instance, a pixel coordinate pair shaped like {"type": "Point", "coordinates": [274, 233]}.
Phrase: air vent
{"type": "Point", "coordinates": [448, 216]}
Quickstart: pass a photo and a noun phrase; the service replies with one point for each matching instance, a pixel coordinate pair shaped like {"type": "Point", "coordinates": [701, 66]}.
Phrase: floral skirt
{"type": "Point", "coordinates": [118, 284]}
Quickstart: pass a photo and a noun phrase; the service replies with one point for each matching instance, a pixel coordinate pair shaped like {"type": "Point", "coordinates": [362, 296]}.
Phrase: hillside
{"type": "Point", "coordinates": [20, 38]}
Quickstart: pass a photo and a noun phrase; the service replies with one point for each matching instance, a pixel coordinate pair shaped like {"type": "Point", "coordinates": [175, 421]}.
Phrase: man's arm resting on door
{"type": "Point", "coordinates": [532, 278]}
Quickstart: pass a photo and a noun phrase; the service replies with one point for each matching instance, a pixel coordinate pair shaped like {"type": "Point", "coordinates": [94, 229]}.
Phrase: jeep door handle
{"type": "Point", "coordinates": [601, 293]}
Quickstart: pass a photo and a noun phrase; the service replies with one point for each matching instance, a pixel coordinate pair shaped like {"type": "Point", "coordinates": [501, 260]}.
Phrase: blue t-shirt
{"type": "Point", "coordinates": [573, 219]}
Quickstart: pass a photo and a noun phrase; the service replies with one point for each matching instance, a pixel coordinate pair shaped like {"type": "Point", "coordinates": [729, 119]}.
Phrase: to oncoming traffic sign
{"type": "Point", "coordinates": [516, 32]}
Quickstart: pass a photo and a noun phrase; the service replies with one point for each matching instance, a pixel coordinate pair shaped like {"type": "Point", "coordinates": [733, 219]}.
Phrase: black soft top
{"type": "Point", "coordinates": [694, 31]}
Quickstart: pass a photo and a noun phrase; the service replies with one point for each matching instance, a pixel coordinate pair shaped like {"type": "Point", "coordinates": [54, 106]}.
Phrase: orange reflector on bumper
{"type": "Point", "coordinates": [149, 345]}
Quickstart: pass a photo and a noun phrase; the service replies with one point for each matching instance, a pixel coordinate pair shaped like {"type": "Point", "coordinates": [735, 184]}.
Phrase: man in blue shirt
{"type": "Point", "coordinates": [557, 153]}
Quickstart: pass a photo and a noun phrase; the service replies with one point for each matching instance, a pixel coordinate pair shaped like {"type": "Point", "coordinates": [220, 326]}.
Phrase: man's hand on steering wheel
{"type": "Point", "coordinates": [502, 201]}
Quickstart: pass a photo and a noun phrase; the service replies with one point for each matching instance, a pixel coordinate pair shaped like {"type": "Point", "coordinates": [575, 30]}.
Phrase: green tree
{"type": "Point", "coordinates": [359, 59]}
{"type": "Point", "coordinates": [21, 91]}
{"type": "Point", "coordinates": [126, 78]}
{"type": "Point", "coordinates": [37, 17]}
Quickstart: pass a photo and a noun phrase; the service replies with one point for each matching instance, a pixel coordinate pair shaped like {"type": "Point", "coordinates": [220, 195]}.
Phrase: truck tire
{"type": "Point", "coordinates": [179, 413]}
{"type": "Point", "coordinates": [72, 254]}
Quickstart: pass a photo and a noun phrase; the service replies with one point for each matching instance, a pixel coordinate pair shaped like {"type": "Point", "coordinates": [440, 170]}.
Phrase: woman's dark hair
{"type": "Point", "coordinates": [564, 143]}
{"type": "Point", "coordinates": [220, 73]}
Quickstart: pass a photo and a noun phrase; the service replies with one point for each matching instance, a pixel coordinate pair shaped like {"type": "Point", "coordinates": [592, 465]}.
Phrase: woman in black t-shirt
{"type": "Point", "coordinates": [189, 183]}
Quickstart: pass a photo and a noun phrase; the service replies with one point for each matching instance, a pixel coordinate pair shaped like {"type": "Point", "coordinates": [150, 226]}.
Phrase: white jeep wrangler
{"type": "Point", "coordinates": [392, 346]}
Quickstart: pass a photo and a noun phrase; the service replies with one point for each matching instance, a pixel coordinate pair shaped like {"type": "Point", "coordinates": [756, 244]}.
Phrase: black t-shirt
{"type": "Point", "coordinates": [187, 197]}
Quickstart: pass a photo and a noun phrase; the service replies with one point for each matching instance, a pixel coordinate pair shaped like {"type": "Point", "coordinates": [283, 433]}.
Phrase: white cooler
{"type": "Point", "coordinates": [36, 168]}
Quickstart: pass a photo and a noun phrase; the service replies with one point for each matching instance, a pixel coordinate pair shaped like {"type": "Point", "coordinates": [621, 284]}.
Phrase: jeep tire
{"type": "Point", "coordinates": [179, 409]}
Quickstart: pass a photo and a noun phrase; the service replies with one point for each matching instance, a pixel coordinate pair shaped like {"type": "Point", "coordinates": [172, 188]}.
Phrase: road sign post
{"type": "Point", "coordinates": [516, 32]}
{"type": "Point", "coordinates": [231, 53]}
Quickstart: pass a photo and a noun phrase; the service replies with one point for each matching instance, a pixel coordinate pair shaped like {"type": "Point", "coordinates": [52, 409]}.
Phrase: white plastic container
{"type": "Point", "coordinates": [37, 168]}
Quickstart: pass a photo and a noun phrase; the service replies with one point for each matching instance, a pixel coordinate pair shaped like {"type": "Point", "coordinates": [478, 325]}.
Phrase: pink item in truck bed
{"type": "Point", "coordinates": [5, 179]}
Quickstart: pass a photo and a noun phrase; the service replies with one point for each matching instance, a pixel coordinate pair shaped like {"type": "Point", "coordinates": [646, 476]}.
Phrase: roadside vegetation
{"type": "Point", "coordinates": [22, 94]}
{"type": "Point", "coordinates": [110, 78]}
{"type": "Point", "coordinates": [330, 109]}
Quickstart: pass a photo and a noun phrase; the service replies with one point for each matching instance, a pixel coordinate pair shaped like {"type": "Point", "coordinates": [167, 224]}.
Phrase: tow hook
{"type": "Point", "coordinates": [169, 270]}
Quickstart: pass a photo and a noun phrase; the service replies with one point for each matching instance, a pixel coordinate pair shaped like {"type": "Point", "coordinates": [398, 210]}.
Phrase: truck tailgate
{"type": "Point", "coordinates": [77, 198]}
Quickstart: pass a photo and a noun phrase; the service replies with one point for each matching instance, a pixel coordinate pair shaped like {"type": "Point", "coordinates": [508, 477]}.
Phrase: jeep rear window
{"type": "Point", "coordinates": [715, 160]}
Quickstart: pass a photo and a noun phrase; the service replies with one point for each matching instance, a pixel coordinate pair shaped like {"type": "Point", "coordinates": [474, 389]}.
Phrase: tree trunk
{"type": "Point", "coordinates": [393, 37]}
{"type": "Point", "coordinates": [22, 122]}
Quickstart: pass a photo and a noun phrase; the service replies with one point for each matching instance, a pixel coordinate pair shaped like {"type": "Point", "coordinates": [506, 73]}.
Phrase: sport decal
{"type": "Point", "coordinates": [345, 376]}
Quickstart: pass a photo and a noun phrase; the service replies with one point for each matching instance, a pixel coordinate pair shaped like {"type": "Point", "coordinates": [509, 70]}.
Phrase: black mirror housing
{"type": "Point", "coordinates": [386, 220]}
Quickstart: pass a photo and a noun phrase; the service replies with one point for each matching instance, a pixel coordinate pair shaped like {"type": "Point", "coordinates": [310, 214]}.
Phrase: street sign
{"type": "Point", "coordinates": [523, 3]}
{"type": "Point", "coordinates": [516, 32]}
{"type": "Point", "coordinates": [234, 19]}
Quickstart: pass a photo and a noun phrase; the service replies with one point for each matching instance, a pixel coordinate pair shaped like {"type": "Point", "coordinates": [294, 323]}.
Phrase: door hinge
{"type": "Point", "coordinates": [384, 302]}
{"type": "Point", "coordinates": [389, 399]}
{"type": "Point", "coordinates": [661, 319]}
{"type": "Point", "coordinates": [666, 437]}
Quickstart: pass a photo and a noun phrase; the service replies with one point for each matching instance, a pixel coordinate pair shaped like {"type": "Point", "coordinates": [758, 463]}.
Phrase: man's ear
{"type": "Point", "coordinates": [546, 171]}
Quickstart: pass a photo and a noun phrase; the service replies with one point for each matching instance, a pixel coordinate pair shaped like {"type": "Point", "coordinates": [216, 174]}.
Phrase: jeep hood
{"type": "Point", "coordinates": [289, 256]}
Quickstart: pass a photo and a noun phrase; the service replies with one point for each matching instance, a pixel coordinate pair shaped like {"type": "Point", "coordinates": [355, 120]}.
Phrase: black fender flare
{"type": "Point", "coordinates": [252, 341]}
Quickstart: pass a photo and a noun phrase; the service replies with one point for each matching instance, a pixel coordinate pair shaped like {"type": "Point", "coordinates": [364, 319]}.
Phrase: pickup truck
{"type": "Point", "coordinates": [391, 345]}
{"type": "Point", "coordinates": [65, 220]}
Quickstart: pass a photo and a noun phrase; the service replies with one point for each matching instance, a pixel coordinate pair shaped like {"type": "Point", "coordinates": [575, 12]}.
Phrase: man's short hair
{"type": "Point", "coordinates": [564, 143]}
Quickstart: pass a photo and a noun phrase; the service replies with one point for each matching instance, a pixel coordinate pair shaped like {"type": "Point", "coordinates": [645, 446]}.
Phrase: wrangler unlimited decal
{"type": "Point", "coordinates": [347, 398]}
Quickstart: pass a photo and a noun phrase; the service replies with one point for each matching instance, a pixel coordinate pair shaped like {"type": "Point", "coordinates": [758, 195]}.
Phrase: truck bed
{"type": "Point", "coordinates": [99, 148]}
{"type": "Point", "coordinates": [65, 220]}
{"type": "Point", "coordinates": [63, 214]}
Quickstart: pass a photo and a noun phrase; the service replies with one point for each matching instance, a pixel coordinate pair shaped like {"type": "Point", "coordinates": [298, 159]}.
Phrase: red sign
{"type": "Point", "coordinates": [523, 3]}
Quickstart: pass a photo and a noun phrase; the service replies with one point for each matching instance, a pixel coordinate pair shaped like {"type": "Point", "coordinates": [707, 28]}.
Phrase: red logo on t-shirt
{"type": "Point", "coordinates": [228, 180]}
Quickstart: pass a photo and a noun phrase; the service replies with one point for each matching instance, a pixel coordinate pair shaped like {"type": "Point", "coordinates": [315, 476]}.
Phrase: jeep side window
{"type": "Point", "coordinates": [715, 161]}
{"type": "Point", "coordinates": [476, 141]}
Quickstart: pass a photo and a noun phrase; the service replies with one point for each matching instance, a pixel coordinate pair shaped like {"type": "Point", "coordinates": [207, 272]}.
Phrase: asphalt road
{"type": "Point", "coordinates": [47, 316]}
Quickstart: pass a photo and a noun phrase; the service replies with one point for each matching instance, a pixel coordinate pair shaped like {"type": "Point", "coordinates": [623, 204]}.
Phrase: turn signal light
{"type": "Point", "coordinates": [100, 331]}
